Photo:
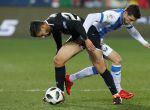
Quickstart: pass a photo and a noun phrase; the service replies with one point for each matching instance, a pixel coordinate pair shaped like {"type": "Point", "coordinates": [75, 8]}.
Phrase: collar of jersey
{"type": "Point", "coordinates": [121, 17]}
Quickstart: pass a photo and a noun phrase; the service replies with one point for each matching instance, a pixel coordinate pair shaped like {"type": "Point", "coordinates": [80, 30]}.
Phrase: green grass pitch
{"type": "Point", "coordinates": [26, 71]}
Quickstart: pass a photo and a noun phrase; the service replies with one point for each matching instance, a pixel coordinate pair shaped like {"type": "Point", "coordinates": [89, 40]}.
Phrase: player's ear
{"type": "Point", "coordinates": [125, 13]}
{"type": "Point", "coordinates": [43, 25]}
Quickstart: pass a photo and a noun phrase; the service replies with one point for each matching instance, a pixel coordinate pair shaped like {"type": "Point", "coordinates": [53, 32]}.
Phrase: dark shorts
{"type": "Point", "coordinates": [78, 41]}
{"type": "Point", "coordinates": [92, 34]}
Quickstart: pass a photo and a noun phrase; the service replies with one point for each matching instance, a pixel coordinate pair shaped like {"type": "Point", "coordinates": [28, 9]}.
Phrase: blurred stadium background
{"type": "Point", "coordinates": [17, 14]}
{"type": "Point", "coordinates": [26, 64]}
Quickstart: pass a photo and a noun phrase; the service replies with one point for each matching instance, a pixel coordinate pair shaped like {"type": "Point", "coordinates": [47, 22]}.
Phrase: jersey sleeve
{"type": "Point", "coordinates": [106, 17]}
{"type": "Point", "coordinates": [74, 25]}
{"type": "Point", "coordinates": [90, 19]}
{"type": "Point", "coordinates": [135, 34]}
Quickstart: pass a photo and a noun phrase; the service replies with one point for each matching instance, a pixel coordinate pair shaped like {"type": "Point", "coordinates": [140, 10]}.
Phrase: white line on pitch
{"type": "Point", "coordinates": [82, 90]}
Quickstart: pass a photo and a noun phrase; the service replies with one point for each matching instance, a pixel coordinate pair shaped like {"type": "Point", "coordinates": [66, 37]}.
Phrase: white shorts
{"type": "Point", "coordinates": [106, 50]}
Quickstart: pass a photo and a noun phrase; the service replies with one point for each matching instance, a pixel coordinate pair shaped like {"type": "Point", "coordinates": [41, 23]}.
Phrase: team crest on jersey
{"type": "Point", "coordinates": [110, 18]}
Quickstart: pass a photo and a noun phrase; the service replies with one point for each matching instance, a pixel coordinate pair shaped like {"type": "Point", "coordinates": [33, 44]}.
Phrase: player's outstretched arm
{"type": "Point", "coordinates": [136, 35]}
{"type": "Point", "coordinates": [147, 45]}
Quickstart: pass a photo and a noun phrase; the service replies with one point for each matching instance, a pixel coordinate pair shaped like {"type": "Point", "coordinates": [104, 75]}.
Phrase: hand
{"type": "Point", "coordinates": [89, 45]}
{"type": "Point", "coordinates": [147, 45]}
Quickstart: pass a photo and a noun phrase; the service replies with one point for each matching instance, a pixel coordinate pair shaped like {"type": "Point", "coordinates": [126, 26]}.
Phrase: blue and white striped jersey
{"type": "Point", "coordinates": [110, 20]}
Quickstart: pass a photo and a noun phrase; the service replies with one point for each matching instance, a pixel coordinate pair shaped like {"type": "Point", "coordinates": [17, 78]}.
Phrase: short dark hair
{"type": "Point", "coordinates": [35, 27]}
{"type": "Point", "coordinates": [134, 10]}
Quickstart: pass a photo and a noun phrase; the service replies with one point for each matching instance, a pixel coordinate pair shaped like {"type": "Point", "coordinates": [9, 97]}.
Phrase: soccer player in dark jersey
{"type": "Point", "coordinates": [71, 24]}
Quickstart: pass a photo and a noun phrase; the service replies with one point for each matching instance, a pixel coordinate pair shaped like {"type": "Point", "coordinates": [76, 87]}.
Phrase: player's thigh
{"type": "Point", "coordinates": [111, 54]}
{"type": "Point", "coordinates": [67, 51]}
{"type": "Point", "coordinates": [97, 59]}
{"type": "Point", "coordinates": [96, 56]}
{"type": "Point", "coordinates": [114, 57]}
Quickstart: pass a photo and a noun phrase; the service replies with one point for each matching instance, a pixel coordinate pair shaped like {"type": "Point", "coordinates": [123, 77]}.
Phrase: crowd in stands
{"type": "Point", "coordinates": [76, 3]}
{"type": "Point", "coordinates": [104, 3]}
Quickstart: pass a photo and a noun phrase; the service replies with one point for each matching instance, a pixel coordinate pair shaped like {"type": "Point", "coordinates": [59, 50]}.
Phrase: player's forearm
{"type": "Point", "coordinates": [142, 41]}
{"type": "Point", "coordinates": [136, 35]}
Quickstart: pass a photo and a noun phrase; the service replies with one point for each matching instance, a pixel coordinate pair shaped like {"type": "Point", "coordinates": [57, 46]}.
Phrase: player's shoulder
{"type": "Point", "coordinates": [112, 15]}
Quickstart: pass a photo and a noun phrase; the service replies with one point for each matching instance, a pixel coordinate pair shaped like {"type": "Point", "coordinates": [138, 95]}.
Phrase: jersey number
{"type": "Point", "coordinates": [8, 27]}
{"type": "Point", "coordinates": [70, 16]}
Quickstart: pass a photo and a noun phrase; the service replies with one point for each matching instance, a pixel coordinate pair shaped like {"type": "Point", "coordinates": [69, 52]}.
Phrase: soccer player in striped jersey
{"type": "Point", "coordinates": [103, 23]}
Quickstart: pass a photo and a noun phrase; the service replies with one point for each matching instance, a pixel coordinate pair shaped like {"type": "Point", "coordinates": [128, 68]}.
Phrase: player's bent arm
{"type": "Point", "coordinates": [78, 27]}
{"type": "Point", "coordinates": [136, 35]}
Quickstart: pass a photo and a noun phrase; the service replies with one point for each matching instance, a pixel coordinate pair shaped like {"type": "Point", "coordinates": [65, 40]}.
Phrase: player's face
{"type": "Point", "coordinates": [45, 31]}
{"type": "Point", "coordinates": [128, 19]}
